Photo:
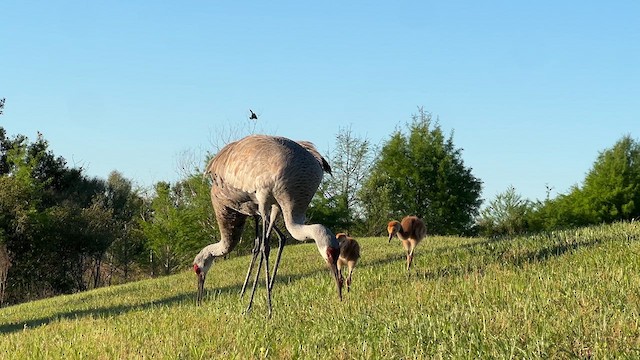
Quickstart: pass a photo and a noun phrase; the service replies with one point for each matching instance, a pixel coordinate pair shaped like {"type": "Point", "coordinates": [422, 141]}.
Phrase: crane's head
{"type": "Point", "coordinates": [329, 248]}
{"type": "Point", "coordinates": [201, 265]}
{"type": "Point", "coordinates": [392, 228]}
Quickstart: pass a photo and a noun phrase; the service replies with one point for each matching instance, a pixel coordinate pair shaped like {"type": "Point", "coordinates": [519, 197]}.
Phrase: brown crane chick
{"type": "Point", "coordinates": [349, 255]}
{"type": "Point", "coordinates": [410, 232]}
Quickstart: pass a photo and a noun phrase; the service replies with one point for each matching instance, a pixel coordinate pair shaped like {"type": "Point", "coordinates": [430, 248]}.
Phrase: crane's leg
{"type": "Point", "coordinates": [351, 267]}
{"type": "Point", "coordinates": [255, 283]}
{"type": "Point", "coordinates": [412, 247]}
{"type": "Point", "coordinates": [260, 246]}
{"type": "Point", "coordinates": [254, 251]}
{"type": "Point", "coordinates": [264, 257]}
{"type": "Point", "coordinates": [340, 277]}
{"type": "Point", "coordinates": [281, 242]}
{"type": "Point", "coordinates": [266, 249]}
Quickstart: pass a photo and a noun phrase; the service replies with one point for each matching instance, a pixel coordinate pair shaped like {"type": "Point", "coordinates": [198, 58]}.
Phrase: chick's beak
{"type": "Point", "coordinates": [390, 237]}
{"type": "Point", "coordinates": [332, 259]}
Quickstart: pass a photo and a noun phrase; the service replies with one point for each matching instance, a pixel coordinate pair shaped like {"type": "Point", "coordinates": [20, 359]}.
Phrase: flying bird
{"type": "Point", "coordinates": [253, 115]}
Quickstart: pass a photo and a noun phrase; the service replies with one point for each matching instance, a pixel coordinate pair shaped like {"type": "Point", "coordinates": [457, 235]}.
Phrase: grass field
{"type": "Point", "coordinates": [571, 294]}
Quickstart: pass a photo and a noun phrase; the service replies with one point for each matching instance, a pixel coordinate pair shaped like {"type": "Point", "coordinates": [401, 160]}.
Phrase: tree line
{"type": "Point", "coordinates": [609, 192]}
{"type": "Point", "coordinates": [62, 231]}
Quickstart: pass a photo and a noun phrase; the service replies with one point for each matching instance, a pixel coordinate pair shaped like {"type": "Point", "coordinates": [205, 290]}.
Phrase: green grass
{"type": "Point", "coordinates": [572, 294]}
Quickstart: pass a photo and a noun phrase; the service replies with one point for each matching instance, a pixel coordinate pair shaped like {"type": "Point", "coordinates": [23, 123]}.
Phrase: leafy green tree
{"type": "Point", "coordinates": [54, 222]}
{"type": "Point", "coordinates": [610, 192]}
{"type": "Point", "coordinates": [181, 222]}
{"type": "Point", "coordinates": [5, 264]}
{"type": "Point", "coordinates": [507, 214]}
{"type": "Point", "coordinates": [164, 230]}
{"type": "Point", "coordinates": [331, 211]}
{"type": "Point", "coordinates": [612, 186]}
{"type": "Point", "coordinates": [18, 215]}
{"type": "Point", "coordinates": [422, 173]}
{"type": "Point", "coordinates": [128, 246]}
{"type": "Point", "coordinates": [337, 204]}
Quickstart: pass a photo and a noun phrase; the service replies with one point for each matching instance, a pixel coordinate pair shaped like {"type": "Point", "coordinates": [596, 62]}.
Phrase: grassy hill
{"type": "Point", "coordinates": [562, 295]}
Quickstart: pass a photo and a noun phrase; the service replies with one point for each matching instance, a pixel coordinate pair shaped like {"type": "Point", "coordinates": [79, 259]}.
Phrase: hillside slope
{"type": "Point", "coordinates": [567, 294]}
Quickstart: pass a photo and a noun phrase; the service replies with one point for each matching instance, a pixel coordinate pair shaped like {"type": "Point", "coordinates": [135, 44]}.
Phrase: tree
{"type": "Point", "coordinates": [612, 186]}
{"type": "Point", "coordinates": [127, 206]}
{"type": "Point", "coordinates": [610, 192]}
{"type": "Point", "coordinates": [181, 222]}
{"type": "Point", "coordinates": [54, 221]}
{"type": "Point", "coordinates": [19, 214]}
{"type": "Point", "coordinates": [507, 214]}
{"type": "Point", "coordinates": [163, 230]}
{"type": "Point", "coordinates": [337, 204]}
{"type": "Point", "coordinates": [5, 264]}
{"type": "Point", "coordinates": [422, 173]}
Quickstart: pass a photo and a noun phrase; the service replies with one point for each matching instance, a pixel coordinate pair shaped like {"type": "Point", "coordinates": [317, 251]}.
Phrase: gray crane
{"type": "Point", "coordinates": [249, 208]}
{"type": "Point", "coordinates": [410, 232]}
{"type": "Point", "coordinates": [265, 175]}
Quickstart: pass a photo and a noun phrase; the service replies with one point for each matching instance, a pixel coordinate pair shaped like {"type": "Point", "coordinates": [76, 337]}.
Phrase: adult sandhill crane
{"type": "Point", "coordinates": [349, 255]}
{"type": "Point", "coordinates": [250, 208]}
{"type": "Point", "coordinates": [410, 232]}
{"type": "Point", "coordinates": [264, 175]}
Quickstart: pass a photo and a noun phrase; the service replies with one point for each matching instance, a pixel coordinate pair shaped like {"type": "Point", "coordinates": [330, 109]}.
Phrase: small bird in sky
{"type": "Point", "coordinates": [253, 115]}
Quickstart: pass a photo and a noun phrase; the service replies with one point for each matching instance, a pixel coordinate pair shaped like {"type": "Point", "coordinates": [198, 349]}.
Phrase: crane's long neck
{"type": "Point", "coordinates": [221, 248]}
{"type": "Point", "coordinates": [323, 237]}
{"type": "Point", "coordinates": [326, 241]}
{"type": "Point", "coordinates": [402, 234]}
{"type": "Point", "coordinates": [231, 223]}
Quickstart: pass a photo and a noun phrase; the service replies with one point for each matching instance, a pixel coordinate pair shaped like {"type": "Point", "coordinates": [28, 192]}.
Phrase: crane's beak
{"type": "Point", "coordinates": [332, 259]}
{"type": "Point", "coordinates": [200, 294]}
{"type": "Point", "coordinates": [201, 276]}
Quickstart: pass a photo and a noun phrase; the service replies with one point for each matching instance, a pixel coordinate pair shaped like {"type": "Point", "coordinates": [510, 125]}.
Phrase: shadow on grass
{"type": "Point", "coordinates": [182, 298]}
{"type": "Point", "coordinates": [92, 313]}
{"type": "Point", "coordinates": [486, 253]}
{"type": "Point", "coordinates": [503, 254]}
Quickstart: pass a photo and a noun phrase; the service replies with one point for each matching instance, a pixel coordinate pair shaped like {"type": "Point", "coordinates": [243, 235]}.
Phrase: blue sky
{"type": "Point", "coordinates": [533, 91]}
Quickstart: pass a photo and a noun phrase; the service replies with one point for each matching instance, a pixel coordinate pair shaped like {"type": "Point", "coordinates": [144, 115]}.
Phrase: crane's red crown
{"type": "Point", "coordinates": [197, 269]}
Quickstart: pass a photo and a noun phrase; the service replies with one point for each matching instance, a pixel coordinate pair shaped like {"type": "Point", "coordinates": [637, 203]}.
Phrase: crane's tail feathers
{"type": "Point", "coordinates": [326, 167]}
{"type": "Point", "coordinates": [207, 169]}
{"type": "Point", "coordinates": [312, 149]}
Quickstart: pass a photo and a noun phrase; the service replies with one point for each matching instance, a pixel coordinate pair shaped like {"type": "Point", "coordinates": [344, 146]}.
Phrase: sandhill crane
{"type": "Point", "coordinates": [349, 255]}
{"type": "Point", "coordinates": [410, 232]}
{"type": "Point", "coordinates": [250, 208]}
{"type": "Point", "coordinates": [263, 175]}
